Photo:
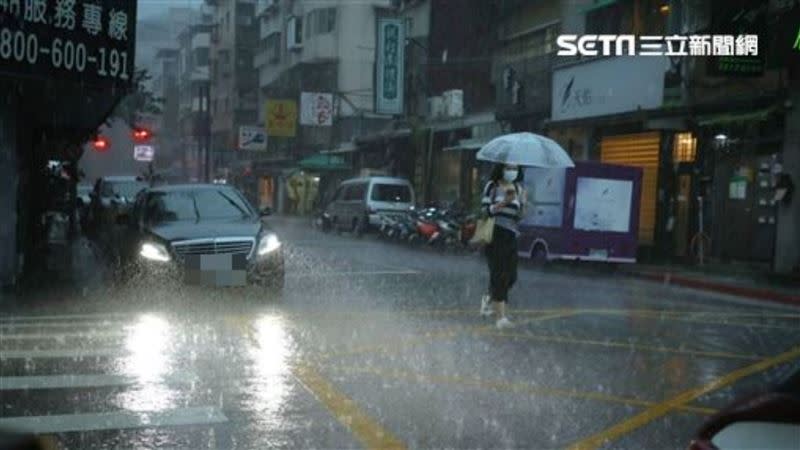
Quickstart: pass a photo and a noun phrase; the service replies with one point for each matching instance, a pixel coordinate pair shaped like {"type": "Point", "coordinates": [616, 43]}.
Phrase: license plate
{"type": "Point", "coordinates": [598, 253]}
{"type": "Point", "coordinates": [216, 270]}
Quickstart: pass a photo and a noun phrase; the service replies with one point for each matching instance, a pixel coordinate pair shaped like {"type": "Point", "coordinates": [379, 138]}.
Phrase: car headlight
{"type": "Point", "coordinates": [154, 252]}
{"type": "Point", "coordinates": [268, 244]}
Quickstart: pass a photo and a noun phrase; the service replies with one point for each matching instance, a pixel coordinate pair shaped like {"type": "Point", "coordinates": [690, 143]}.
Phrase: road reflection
{"type": "Point", "coordinates": [150, 345]}
{"type": "Point", "coordinates": [270, 381]}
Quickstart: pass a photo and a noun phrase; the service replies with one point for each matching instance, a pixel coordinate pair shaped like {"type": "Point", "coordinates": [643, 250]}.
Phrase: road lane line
{"type": "Point", "coordinates": [508, 387]}
{"type": "Point", "coordinates": [366, 430]}
{"type": "Point", "coordinates": [65, 317]}
{"type": "Point", "coordinates": [61, 336]}
{"type": "Point", "coordinates": [82, 381]}
{"type": "Point", "coordinates": [202, 415]}
{"type": "Point", "coordinates": [679, 401]}
{"type": "Point", "coordinates": [624, 345]}
{"type": "Point", "coordinates": [10, 327]}
{"type": "Point", "coordinates": [62, 353]}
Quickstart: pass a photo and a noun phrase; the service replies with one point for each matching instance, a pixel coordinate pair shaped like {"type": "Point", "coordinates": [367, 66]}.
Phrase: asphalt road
{"type": "Point", "coordinates": [377, 345]}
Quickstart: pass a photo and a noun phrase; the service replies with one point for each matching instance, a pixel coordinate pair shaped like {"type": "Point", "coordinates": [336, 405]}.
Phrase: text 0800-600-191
{"type": "Point", "coordinates": [63, 54]}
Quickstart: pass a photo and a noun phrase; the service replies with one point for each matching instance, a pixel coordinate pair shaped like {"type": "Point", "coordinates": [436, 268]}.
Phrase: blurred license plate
{"type": "Point", "coordinates": [216, 270]}
{"type": "Point", "coordinates": [598, 253]}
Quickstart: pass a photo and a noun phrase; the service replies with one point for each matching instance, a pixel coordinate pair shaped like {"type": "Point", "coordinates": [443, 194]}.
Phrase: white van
{"type": "Point", "coordinates": [357, 202]}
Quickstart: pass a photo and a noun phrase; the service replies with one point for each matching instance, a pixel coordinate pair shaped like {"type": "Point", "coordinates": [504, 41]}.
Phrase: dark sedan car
{"type": "Point", "coordinates": [204, 233]}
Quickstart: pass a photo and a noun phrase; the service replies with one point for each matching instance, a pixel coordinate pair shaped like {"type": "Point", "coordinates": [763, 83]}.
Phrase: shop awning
{"type": "Point", "coordinates": [346, 147]}
{"type": "Point", "coordinates": [467, 144]}
{"type": "Point", "coordinates": [324, 162]}
{"type": "Point", "coordinates": [732, 118]}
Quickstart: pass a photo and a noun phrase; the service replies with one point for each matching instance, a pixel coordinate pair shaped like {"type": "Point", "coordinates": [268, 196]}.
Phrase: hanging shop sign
{"type": "Point", "coordinates": [281, 118]}
{"type": "Point", "coordinates": [316, 109]}
{"type": "Point", "coordinates": [390, 66]}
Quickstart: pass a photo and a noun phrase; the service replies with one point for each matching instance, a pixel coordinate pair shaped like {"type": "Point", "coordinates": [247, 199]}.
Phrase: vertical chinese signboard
{"type": "Point", "coordinates": [90, 41]}
{"type": "Point", "coordinates": [281, 118]}
{"type": "Point", "coordinates": [390, 61]}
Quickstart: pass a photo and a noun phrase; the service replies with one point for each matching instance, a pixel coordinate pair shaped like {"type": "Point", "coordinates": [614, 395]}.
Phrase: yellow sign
{"type": "Point", "coordinates": [281, 118]}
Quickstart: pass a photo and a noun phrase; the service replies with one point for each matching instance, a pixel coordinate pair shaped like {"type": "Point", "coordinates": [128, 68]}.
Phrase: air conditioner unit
{"type": "Point", "coordinates": [435, 107]}
{"type": "Point", "coordinates": [454, 103]}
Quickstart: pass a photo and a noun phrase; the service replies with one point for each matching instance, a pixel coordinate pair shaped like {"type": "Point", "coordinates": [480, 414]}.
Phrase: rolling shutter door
{"type": "Point", "coordinates": [640, 150]}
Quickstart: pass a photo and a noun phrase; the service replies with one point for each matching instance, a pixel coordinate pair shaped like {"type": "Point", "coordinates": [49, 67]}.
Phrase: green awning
{"type": "Point", "coordinates": [324, 162]}
{"type": "Point", "coordinates": [733, 118]}
{"type": "Point", "coordinates": [597, 4]}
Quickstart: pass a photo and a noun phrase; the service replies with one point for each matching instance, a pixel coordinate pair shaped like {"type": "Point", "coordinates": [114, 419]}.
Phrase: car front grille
{"type": "Point", "coordinates": [220, 246]}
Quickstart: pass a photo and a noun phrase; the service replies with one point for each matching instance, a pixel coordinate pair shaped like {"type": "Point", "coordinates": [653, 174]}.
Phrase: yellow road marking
{"type": "Point", "coordinates": [680, 401]}
{"type": "Point", "coordinates": [625, 345]}
{"type": "Point", "coordinates": [510, 387]}
{"type": "Point", "coordinates": [368, 432]}
{"type": "Point", "coordinates": [662, 316]}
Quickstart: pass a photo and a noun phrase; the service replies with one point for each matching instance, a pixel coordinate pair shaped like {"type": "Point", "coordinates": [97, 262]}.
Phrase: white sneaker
{"type": "Point", "coordinates": [486, 307]}
{"type": "Point", "coordinates": [504, 323]}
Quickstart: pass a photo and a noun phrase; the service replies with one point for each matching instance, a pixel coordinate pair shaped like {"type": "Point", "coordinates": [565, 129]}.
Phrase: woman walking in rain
{"type": "Point", "coordinates": [503, 199]}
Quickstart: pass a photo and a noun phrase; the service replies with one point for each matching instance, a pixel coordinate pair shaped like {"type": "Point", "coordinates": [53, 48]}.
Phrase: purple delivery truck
{"type": "Point", "coordinates": [589, 212]}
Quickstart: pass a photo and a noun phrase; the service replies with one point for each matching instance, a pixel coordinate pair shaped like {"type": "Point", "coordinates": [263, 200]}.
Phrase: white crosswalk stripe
{"type": "Point", "coordinates": [44, 338]}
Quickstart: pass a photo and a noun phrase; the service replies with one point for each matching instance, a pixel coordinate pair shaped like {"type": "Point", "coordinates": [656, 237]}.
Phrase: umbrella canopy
{"type": "Point", "coordinates": [525, 149]}
{"type": "Point", "coordinates": [324, 162]}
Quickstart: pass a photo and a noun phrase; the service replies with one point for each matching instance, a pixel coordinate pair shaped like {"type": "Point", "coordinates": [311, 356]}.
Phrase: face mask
{"type": "Point", "coordinates": [510, 175]}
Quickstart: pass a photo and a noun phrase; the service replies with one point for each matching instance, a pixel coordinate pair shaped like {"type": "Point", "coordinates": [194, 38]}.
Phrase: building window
{"type": "Point", "coordinates": [294, 32]}
{"type": "Point", "coordinates": [320, 21]}
{"type": "Point", "coordinates": [201, 57]}
{"type": "Point", "coordinates": [531, 45]}
{"type": "Point", "coordinates": [272, 47]}
{"type": "Point", "coordinates": [685, 148]}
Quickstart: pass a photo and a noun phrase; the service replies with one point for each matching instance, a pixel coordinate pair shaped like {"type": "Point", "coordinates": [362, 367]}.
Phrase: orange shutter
{"type": "Point", "coordinates": [640, 150]}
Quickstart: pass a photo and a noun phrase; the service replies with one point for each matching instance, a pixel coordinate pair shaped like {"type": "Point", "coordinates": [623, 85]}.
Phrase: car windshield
{"type": "Point", "coordinates": [391, 193]}
{"type": "Point", "coordinates": [207, 204]}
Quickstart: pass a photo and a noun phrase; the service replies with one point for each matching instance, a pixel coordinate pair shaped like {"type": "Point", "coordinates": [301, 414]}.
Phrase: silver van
{"type": "Point", "coordinates": [357, 202]}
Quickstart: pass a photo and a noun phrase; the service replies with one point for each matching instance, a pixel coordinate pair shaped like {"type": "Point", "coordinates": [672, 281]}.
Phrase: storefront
{"type": "Point", "coordinates": [743, 151]}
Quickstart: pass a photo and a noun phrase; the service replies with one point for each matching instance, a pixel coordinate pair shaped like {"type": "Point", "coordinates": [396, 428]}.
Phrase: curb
{"type": "Point", "coordinates": [739, 291]}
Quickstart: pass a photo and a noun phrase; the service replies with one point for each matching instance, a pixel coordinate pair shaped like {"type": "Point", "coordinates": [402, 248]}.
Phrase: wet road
{"type": "Point", "coordinates": [376, 345]}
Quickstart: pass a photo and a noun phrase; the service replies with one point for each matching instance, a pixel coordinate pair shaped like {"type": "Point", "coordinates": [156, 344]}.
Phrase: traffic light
{"type": "Point", "coordinates": [101, 144]}
{"type": "Point", "coordinates": [142, 134]}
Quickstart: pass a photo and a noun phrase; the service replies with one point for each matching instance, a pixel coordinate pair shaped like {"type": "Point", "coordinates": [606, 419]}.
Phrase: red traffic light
{"type": "Point", "coordinates": [101, 144]}
{"type": "Point", "coordinates": [142, 134]}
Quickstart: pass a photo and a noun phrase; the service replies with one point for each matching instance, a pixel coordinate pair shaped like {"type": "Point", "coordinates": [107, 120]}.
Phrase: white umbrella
{"type": "Point", "coordinates": [525, 149]}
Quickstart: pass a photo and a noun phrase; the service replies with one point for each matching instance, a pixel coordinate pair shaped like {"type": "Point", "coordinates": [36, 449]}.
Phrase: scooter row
{"type": "Point", "coordinates": [440, 228]}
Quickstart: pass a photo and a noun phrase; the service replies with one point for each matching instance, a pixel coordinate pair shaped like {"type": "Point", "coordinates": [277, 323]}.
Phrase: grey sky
{"type": "Point", "coordinates": [152, 8]}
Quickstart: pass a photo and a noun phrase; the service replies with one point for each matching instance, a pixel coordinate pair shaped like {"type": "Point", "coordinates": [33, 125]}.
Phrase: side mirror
{"type": "Point", "coordinates": [266, 211]}
{"type": "Point", "coordinates": [123, 219]}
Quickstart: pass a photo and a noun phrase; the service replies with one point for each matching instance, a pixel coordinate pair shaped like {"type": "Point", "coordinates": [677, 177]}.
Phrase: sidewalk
{"type": "Point", "coordinates": [740, 281]}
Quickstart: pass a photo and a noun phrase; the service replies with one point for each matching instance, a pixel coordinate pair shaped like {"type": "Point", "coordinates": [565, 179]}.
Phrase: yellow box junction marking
{"type": "Point", "coordinates": [679, 401]}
